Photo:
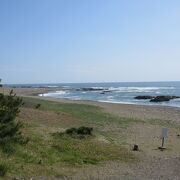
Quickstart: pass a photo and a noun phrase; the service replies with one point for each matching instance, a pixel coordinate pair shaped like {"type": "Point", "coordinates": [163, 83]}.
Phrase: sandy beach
{"type": "Point", "coordinates": [123, 110]}
{"type": "Point", "coordinates": [153, 164]}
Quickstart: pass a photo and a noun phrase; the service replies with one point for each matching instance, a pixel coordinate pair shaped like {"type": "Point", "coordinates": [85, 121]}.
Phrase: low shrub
{"type": "Point", "coordinates": [80, 131]}
{"type": "Point", "coordinates": [38, 106]}
{"type": "Point", "coordinates": [84, 130]}
{"type": "Point", "coordinates": [71, 131]}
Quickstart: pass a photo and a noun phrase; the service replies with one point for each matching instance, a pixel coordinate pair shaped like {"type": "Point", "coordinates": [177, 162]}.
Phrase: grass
{"type": "Point", "coordinates": [3, 169]}
{"type": "Point", "coordinates": [88, 151]}
{"type": "Point", "coordinates": [60, 155]}
{"type": "Point", "coordinates": [50, 153]}
{"type": "Point", "coordinates": [89, 114]}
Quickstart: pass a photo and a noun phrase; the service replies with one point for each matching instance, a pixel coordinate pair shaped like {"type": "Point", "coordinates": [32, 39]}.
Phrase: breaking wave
{"type": "Point", "coordinates": [54, 94]}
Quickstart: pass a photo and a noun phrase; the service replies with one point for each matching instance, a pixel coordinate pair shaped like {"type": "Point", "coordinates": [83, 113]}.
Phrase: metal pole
{"type": "Point", "coordinates": [162, 142]}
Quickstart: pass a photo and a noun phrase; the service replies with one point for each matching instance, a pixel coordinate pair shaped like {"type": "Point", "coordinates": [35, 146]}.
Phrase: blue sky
{"type": "Point", "coordinates": [54, 41]}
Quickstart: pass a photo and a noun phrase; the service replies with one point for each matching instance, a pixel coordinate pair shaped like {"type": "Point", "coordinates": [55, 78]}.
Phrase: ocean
{"type": "Point", "coordinates": [124, 92]}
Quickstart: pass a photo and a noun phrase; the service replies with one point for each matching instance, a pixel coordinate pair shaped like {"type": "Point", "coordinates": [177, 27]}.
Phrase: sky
{"type": "Point", "coordinates": [69, 41]}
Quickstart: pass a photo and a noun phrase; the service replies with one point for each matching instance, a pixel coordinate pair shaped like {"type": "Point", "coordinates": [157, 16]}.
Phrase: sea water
{"type": "Point", "coordinates": [124, 92]}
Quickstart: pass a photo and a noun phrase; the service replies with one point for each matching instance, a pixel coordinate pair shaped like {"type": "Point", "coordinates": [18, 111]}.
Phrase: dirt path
{"type": "Point", "coordinates": [149, 169]}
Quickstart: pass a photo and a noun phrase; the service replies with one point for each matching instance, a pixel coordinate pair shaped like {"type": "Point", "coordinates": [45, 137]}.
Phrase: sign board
{"type": "Point", "coordinates": [164, 133]}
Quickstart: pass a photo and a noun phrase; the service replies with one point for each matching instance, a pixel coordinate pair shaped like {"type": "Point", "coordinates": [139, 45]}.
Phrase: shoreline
{"type": "Point", "coordinates": [168, 113]}
{"type": "Point", "coordinates": [144, 133]}
{"type": "Point", "coordinates": [129, 110]}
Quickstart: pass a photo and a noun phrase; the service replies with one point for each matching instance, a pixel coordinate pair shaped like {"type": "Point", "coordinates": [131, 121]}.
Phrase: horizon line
{"type": "Point", "coordinates": [101, 82]}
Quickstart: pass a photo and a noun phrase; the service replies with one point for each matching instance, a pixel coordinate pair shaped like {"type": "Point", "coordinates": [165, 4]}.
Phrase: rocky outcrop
{"type": "Point", "coordinates": [163, 98]}
{"type": "Point", "coordinates": [90, 89]}
{"type": "Point", "coordinates": [144, 97]}
{"type": "Point", "coordinates": [105, 91]}
{"type": "Point", "coordinates": [157, 98]}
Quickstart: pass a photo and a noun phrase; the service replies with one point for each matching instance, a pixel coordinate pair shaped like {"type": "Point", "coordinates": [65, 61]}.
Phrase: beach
{"type": "Point", "coordinates": [123, 110]}
{"type": "Point", "coordinates": [152, 163]}
{"type": "Point", "coordinates": [90, 90]}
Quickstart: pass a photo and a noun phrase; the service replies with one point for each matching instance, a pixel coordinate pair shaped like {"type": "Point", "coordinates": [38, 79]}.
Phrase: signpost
{"type": "Point", "coordinates": [164, 132]}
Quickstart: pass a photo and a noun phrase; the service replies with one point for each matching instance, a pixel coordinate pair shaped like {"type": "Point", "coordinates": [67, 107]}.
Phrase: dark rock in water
{"type": "Point", "coordinates": [105, 91]}
{"type": "Point", "coordinates": [144, 97]}
{"type": "Point", "coordinates": [102, 92]}
{"type": "Point", "coordinates": [90, 89]}
{"type": "Point", "coordinates": [163, 98]}
{"type": "Point", "coordinates": [157, 98]}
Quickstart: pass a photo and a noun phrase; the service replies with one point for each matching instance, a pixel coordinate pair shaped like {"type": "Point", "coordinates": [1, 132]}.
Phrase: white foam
{"type": "Point", "coordinates": [98, 87]}
{"type": "Point", "coordinates": [138, 89]}
{"type": "Point", "coordinates": [110, 97]}
{"type": "Point", "coordinates": [52, 86]}
{"type": "Point", "coordinates": [53, 94]}
{"type": "Point", "coordinates": [75, 98]}
{"type": "Point", "coordinates": [116, 102]}
{"type": "Point", "coordinates": [176, 100]}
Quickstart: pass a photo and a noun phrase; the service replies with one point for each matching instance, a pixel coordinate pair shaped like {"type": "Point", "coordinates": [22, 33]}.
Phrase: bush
{"type": "Point", "coordinates": [84, 130]}
{"type": "Point", "coordinates": [38, 106]}
{"type": "Point", "coordinates": [71, 131]}
{"type": "Point", "coordinates": [8, 149]}
{"type": "Point", "coordinates": [9, 109]}
{"type": "Point", "coordinates": [81, 131]}
{"type": "Point", "coordinates": [3, 169]}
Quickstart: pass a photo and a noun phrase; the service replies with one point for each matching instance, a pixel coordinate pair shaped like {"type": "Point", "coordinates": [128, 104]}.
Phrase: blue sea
{"type": "Point", "coordinates": [123, 92]}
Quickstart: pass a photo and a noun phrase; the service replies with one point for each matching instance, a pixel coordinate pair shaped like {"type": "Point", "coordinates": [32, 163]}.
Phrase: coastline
{"type": "Point", "coordinates": [123, 110]}
{"type": "Point", "coordinates": [150, 161]}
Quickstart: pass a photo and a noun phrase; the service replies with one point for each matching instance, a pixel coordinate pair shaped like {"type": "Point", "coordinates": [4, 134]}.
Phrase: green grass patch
{"type": "Point", "coordinates": [89, 114]}
{"type": "Point", "coordinates": [57, 155]}
{"type": "Point", "coordinates": [88, 150]}
{"type": "Point", "coordinates": [40, 154]}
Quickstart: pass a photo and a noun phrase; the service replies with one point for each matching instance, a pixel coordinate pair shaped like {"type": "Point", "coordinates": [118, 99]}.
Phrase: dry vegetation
{"type": "Point", "coordinates": [46, 155]}
{"type": "Point", "coordinates": [105, 155]}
